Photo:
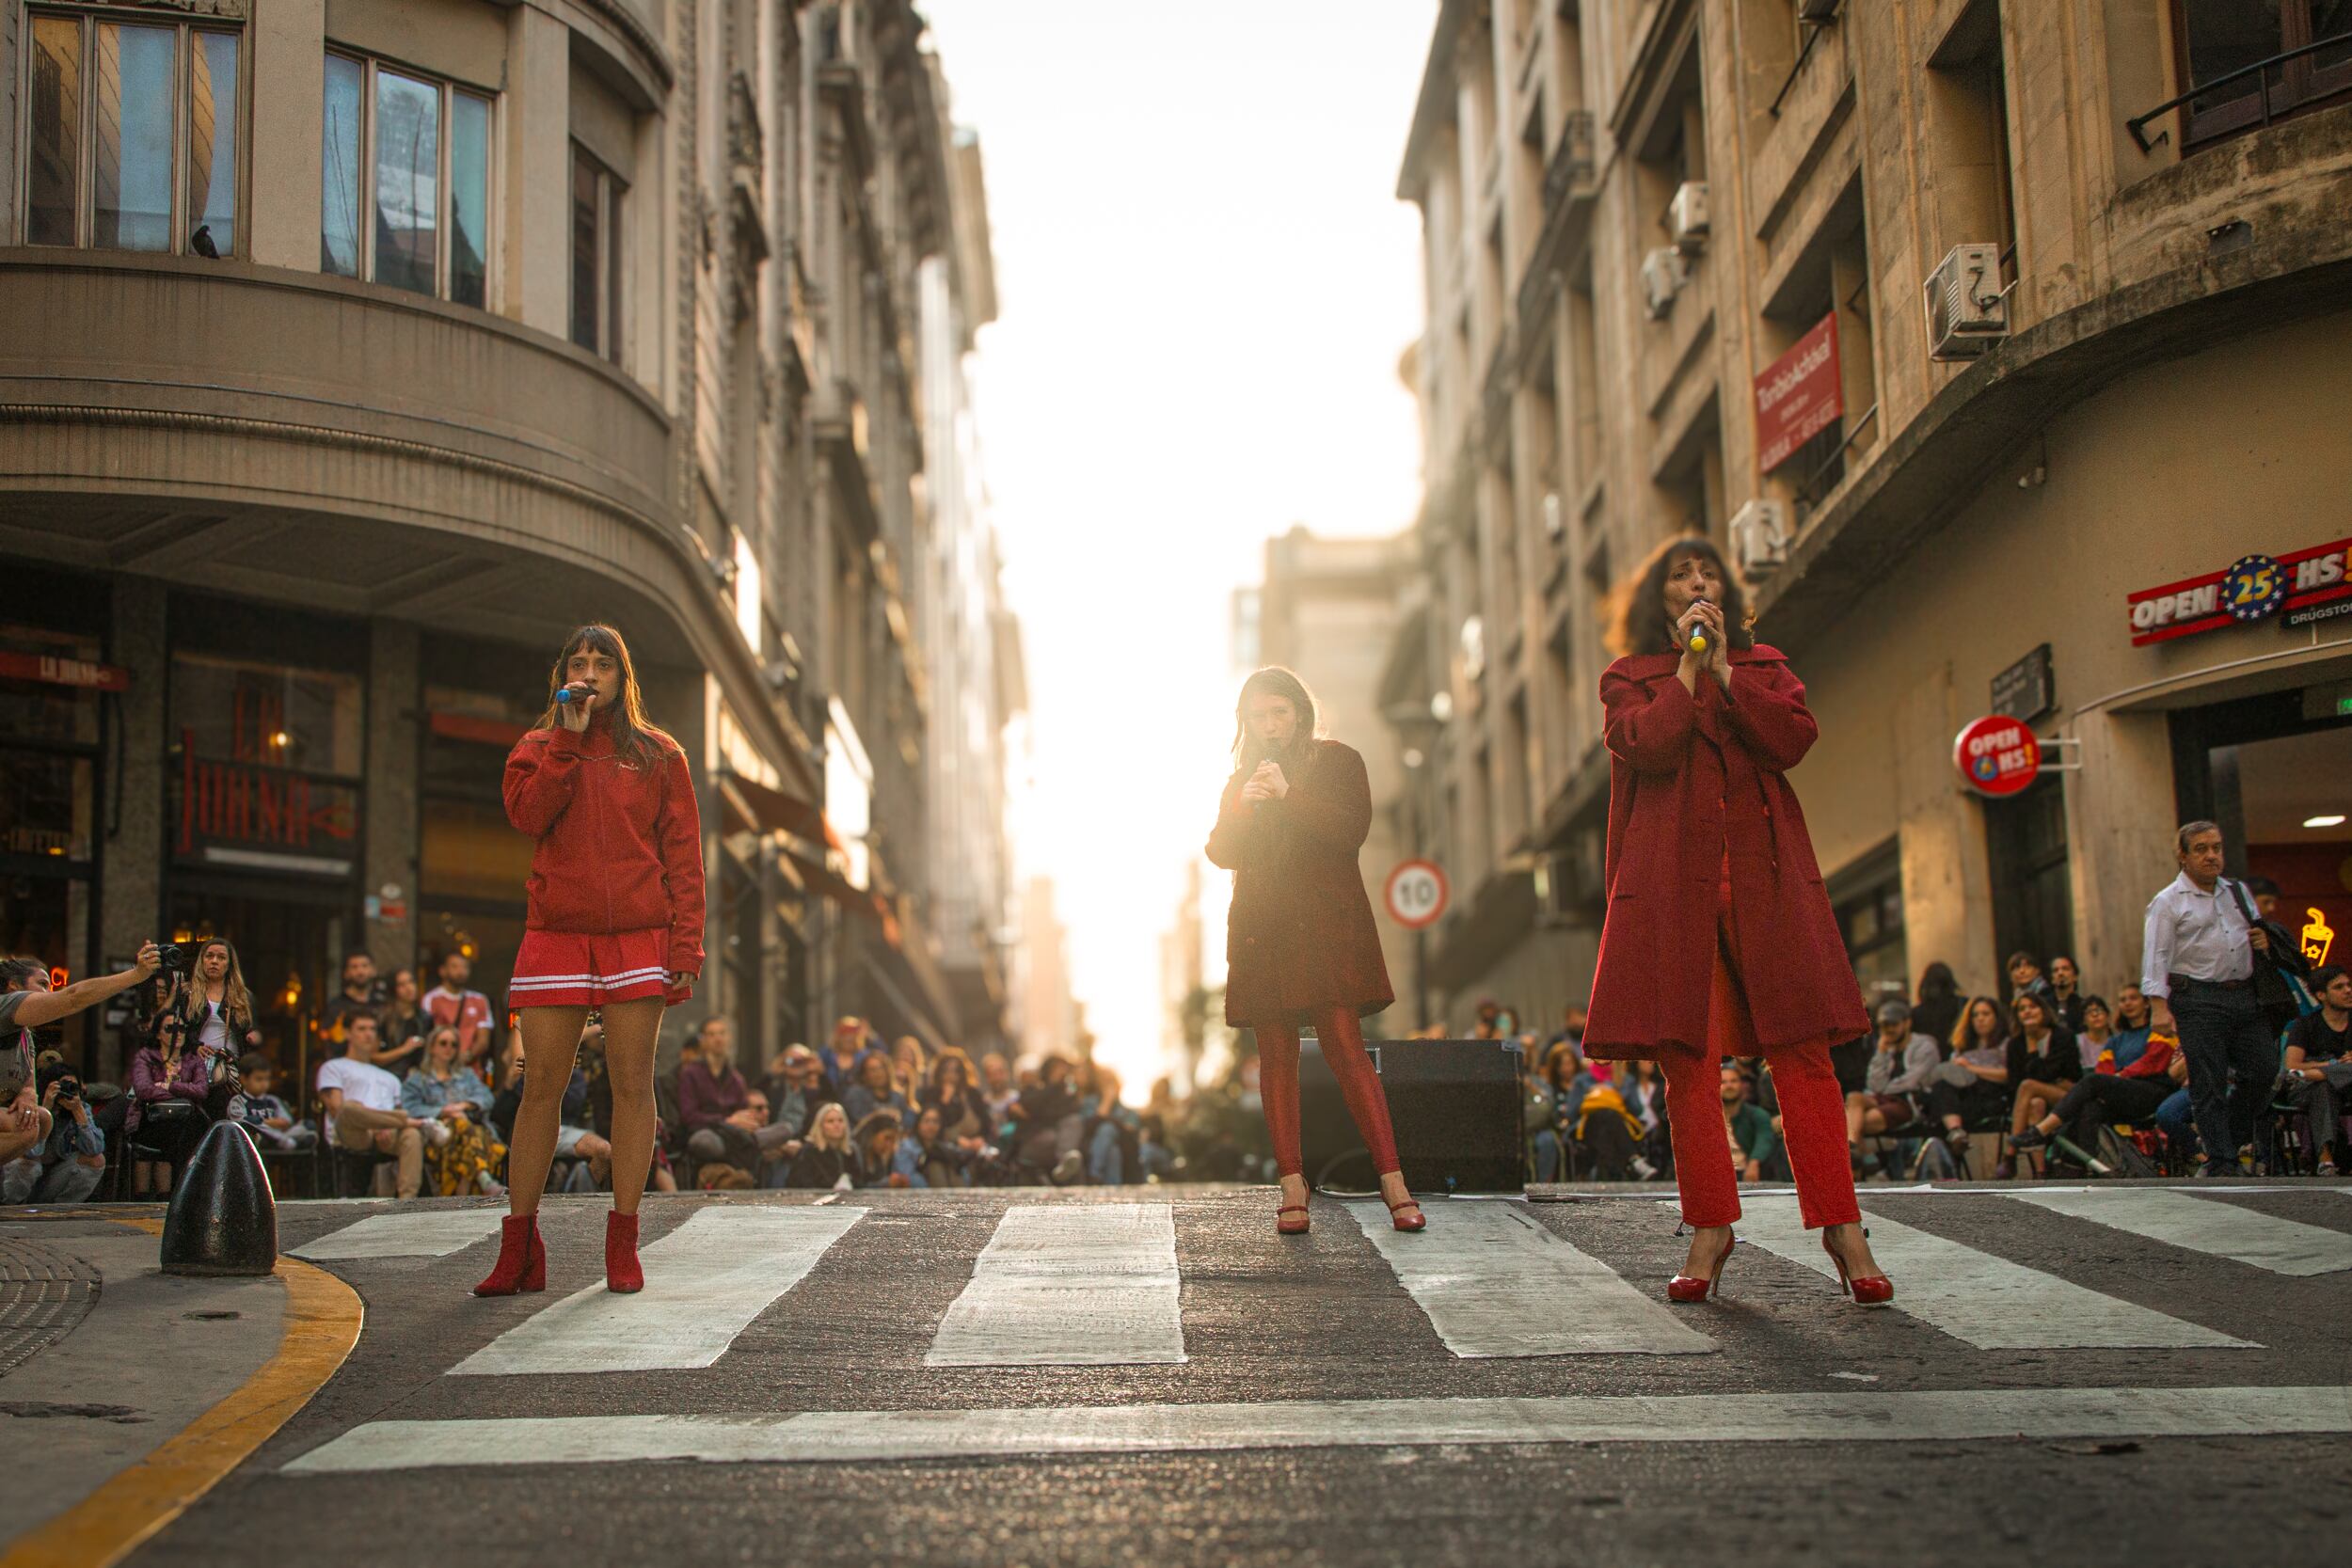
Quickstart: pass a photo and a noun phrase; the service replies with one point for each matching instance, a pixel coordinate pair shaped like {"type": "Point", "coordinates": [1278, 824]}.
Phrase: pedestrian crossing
{"type": "Point", "coordinates": [1100, 1284]}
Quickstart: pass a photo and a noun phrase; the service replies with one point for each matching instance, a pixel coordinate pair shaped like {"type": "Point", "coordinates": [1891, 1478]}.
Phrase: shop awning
{"type": "Point", "coordinates": [819, 878]}
{"type": "Point", "coordinates": [773, 811]}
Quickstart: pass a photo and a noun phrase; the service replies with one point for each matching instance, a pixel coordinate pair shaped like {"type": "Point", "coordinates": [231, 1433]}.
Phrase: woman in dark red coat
{"type": "Point", "coordinates": [1300, 948]}
{"type": "Point", "coordinates": [1719, 940]}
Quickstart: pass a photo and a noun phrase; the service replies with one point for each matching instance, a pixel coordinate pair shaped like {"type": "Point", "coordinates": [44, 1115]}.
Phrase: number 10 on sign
{"type": "Point", "coordinates": [1416, 894]}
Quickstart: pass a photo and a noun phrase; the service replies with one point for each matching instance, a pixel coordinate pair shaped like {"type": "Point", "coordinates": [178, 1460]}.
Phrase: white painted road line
{"type": "Point", "coordinates": [2203, 1223]}
{"type": "Point", "coordinates": [1070, 1285]}
{"type": "Point", "coordinates": [426, 1233]}
{"type": "Point", "coordinates": [864, 1437]}
{"type": "Point", "coordinates": [1494, 1283]}
{"type": "Point", "coordinates": [705, 1282]}
{"type": "Point", "coordinates": [1974, 1296]}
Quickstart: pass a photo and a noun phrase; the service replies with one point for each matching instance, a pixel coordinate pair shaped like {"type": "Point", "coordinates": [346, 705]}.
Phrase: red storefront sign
{"type": "Point", "coordinates": [1998, 756]}
{"type": "Point", "coordinates": [51, 671]}
{"type": "Point", "coordinates": [237, 804]}
{"type": "Point", "coordinates": [2251, 587]}
{"type": "Point", "coordinates": [1799, 395]}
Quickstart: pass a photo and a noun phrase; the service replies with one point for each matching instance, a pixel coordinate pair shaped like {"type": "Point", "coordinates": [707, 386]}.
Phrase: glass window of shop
{"type": "Point", "coordinates": [131, 135]}
{"type": "Point", "coordinates": [2274, 771]}
{"type": "Point", "coordinates": [265, 780]}
{"type": "Point", "coordinates": [472, 866]}
{"type": "Point", "coordinates": [1868, 899]}
{"type": "Point", "coordinates": [49, 760]}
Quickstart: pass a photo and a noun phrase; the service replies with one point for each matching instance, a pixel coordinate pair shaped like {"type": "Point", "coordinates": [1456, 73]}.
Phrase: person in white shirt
{"type": "Point", "coordinates": [2197, 969]}
{"type": "Point", "coordinates": [360, 1109]}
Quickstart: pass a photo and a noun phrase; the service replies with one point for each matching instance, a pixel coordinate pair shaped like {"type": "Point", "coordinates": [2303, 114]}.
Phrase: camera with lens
{"type": "Point", "coordinates": [69, 1088]}
{"type": "Point", "coordinates": [175, 958]}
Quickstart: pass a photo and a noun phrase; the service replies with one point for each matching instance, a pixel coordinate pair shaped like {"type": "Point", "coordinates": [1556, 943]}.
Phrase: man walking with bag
{"type": "Point", "coordinates": [2197, 969]}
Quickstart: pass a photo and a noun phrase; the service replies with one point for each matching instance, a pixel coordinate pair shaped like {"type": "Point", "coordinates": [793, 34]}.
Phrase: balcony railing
{"type": "Point", "coordinates": [2303, 84]}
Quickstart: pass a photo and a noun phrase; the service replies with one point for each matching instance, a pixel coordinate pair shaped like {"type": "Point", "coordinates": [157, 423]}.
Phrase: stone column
{"type": "Point", "coordinates": [2120, 822]}
{"type": "Point", "coordinates": [389, 873]}
{"type": "Point", "coordinates": [1946, 869]}
{"type": "Point", "coordinates": [130, 883]}
{"type": "Point", "coordinates": [289, 66]}
{"type": "Point", "coordinates": [538, 191]}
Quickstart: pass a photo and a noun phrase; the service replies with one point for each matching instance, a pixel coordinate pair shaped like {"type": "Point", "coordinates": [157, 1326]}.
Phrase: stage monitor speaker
{"type": "Point", "coordinates": [1455, 1105]}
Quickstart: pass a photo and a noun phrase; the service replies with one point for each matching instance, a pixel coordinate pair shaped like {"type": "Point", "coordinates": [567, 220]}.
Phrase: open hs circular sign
{"type": "Point", "coordinates": [1997, 755]}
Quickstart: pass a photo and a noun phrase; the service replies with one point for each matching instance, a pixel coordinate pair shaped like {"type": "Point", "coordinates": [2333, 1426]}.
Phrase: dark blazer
{"type": "Point", "coordinates": [1300, 938]}
{"type": "Point", "coordinates": [1696, 785]}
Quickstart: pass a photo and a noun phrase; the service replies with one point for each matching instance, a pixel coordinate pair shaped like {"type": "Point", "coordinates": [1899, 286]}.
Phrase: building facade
{"type": "Point", "coordinates": [359, 350]}
{"type": "Point", "coordinates": [1985, 337]}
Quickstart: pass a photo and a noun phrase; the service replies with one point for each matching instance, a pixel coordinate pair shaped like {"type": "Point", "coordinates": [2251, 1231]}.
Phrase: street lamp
{"type": "Point", "coordinates": [1419, 725]}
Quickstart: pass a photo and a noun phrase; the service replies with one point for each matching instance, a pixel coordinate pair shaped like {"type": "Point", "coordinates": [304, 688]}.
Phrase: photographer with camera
{"type": "Point", "coordinates": [65, 1167]}
{"type": "Point", "coordinates": [27, 1002]}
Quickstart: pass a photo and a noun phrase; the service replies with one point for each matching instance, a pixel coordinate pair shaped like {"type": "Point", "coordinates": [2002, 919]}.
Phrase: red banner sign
{"type": "Point", "coordinates": [1799, 395]}
{"type": "Point", "coordinates": [235, 803]}
{"type": "Point", "coordinates": [1997, 755]}
{"type": "Point", "coordinates": [51, 671]}
{"type": "Point", "coordinates": [2251, 587]}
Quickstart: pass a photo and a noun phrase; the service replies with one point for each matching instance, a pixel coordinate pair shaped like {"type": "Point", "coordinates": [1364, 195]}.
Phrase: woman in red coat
{"type": "Point", "coordinates": [1719, 940]}
{"type": "Point", "coordinates": [615, 923]}
{"type": "Point", "coordinates": [1300, 948]}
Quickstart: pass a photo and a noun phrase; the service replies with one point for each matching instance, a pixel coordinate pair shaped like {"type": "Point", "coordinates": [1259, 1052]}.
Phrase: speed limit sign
{"type": "Point", "coordinates": [1416, 894]}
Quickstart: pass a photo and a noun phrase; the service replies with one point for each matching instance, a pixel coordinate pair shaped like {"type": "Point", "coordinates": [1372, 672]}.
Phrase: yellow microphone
{"type": "Point", "coordinates": [1697, 641]}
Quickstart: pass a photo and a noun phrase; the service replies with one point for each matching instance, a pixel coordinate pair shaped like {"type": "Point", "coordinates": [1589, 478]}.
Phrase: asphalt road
{"type": "Point", "coordinates": [2180, 1378]}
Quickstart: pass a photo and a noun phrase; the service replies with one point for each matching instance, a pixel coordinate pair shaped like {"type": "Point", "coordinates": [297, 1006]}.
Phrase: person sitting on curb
{"type": "Point", "coordinates": [27, 1002]}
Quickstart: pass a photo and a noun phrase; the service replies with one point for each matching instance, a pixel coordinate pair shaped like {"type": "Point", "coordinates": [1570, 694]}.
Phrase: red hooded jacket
{"type": "Point", "coordinates": [620, 846]}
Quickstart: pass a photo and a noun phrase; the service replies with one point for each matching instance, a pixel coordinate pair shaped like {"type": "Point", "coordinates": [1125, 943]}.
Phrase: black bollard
{"type": "Point", "coordinates": [223, 1218]}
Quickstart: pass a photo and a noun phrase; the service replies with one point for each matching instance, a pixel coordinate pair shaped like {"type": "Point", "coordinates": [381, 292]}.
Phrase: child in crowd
{"type": "Point", "coordinates": [265, 1115]}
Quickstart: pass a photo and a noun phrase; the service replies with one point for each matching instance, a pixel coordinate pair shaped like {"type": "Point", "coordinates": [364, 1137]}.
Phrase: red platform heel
{"type": "Point", "coordinates": [1688, 1289]}
{"type": "Point", "coordinates": [1286, 1226]}
{"type": "Point", "coordinates": [1396, 1217]}
{"type": "Point", "coordinates": [522, 1264]}
{"type": "Point", "coordinates": [622, 1272]}
{"type": "Point", "coordinates": [1870, 1291]}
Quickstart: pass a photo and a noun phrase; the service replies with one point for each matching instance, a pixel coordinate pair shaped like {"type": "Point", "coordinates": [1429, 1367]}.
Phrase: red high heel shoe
{"type": "Point", "coordinates": [1688, 1289]}
{"type": "Point", "coordinates": [622, 1272]}
{"type": "Point", "coordinates": [1871, 1290]}
{"type": "Point", "coordinates": [1285, 1227]}
{"type": "Point", "coordinates": [522, 1264]}
{"type": "Point", "coordinates": [1419, 1221]}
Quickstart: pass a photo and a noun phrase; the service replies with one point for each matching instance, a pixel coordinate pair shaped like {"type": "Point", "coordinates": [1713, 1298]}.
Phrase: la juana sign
{"type": "Point", "coordinates": [2251, 587]}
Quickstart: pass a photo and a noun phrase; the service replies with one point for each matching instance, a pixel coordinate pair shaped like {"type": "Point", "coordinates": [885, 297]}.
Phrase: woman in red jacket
{"type": "Point", "coordinates": [1300, 948]}
{"type": "Point", "coordinates": [615, 923]}
{"type": "Point", "coordinates": [1719, 941]}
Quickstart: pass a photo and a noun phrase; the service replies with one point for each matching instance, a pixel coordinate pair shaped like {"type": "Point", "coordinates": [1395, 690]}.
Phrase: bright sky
{"type": "Point", "coordinates": [1205, 281]}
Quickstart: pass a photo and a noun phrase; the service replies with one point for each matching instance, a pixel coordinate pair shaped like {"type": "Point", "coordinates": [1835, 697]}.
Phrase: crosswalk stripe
{"type": "Point", "coordinates": [421, 1233]}
{"type": "Point", "coordinates": [705, 1282]}
{"type": "Point", "coordinates": [1974, 1296]}
{"type": "Point", "coordinates": [1070, 1285]}
{"type": "Point", "coordinates": [1494, 1283]}
{"type": "Point", "coordinates": [865, 1436]}
{"type": "Point", "coordinates": [2201, 1224]}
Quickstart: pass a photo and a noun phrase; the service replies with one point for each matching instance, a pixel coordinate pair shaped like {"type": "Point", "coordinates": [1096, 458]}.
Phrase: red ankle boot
{"type": "Point", "coordinates": [522, 1264]}
{"type": "Point", "coordinates": [621, 1270]}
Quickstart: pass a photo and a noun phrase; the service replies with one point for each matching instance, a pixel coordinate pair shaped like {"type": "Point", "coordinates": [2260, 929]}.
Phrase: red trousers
{"type": "Point", "coordinates": [1341, 1036]}
{"type": "Point", "coordinates": [1812, 1110]}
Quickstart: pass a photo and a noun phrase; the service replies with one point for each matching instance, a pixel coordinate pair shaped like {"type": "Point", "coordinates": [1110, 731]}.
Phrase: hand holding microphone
{"type": "Point", "coordinates": [574, 703]}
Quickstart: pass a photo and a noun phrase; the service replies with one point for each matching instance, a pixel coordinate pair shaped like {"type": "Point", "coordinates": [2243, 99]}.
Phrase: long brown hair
{"type": "Point", "coordinates": [637, 739]}
{"type": "Point", "coordinates": [236, 1002]}
{"type": "Point", "coordinates": [1273, 681]}
{"type": "Point", "coordinates": [1638, 624]}
{"type": "Point", "coordinates": [1964, 1032]}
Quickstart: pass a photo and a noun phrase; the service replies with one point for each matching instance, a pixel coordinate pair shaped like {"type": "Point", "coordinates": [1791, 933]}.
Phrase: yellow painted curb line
{"type": "Point", "coordinates": [321, 1324]}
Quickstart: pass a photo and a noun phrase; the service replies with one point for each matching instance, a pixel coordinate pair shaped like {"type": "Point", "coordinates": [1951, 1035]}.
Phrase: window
{"type": "Point", "coordinates": [1968, 136]}
{"type": "Point", "coordinates": [131, 132]}
{"type": "Point", "coordinates": [597, 196]}
{"type": "Point", "coordinates": [2219, 38]}
{"type": "Point", "coordinates": [404, 182]}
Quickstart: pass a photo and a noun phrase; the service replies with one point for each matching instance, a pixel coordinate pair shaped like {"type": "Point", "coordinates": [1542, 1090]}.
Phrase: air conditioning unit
{"type": "Point", "coordinates": [1663, 275]}
{"type": "Point", "coordinates": [1555, 517]}
{"type": "Point", "coordinates": [1816, 12]}
{"type": "Point", "coordinates": [1686, 217]}
{"type": "Point", "coordinates": [1967, 308]}
{"type": "Point", "coordinates": [1760, 537]}
{"type": "Point", "coordinates": [1569, 886]}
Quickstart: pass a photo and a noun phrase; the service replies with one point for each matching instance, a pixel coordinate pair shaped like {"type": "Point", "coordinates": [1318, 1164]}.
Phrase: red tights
{"type": "Point", "coordinates": [1341, 1036]}
{"type": "Point", "coordinates": [1812, 1111]}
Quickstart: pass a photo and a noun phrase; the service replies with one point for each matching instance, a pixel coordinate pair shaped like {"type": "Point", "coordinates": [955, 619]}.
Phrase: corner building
{"type": "Point", "coordinates": [1986, 337]}
{"type": "Point", "coordinates": [358, 351]}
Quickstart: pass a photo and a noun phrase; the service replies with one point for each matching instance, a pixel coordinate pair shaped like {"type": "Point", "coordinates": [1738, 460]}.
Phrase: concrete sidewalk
{"type": "Point", "coordinates": [137, 1389]}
